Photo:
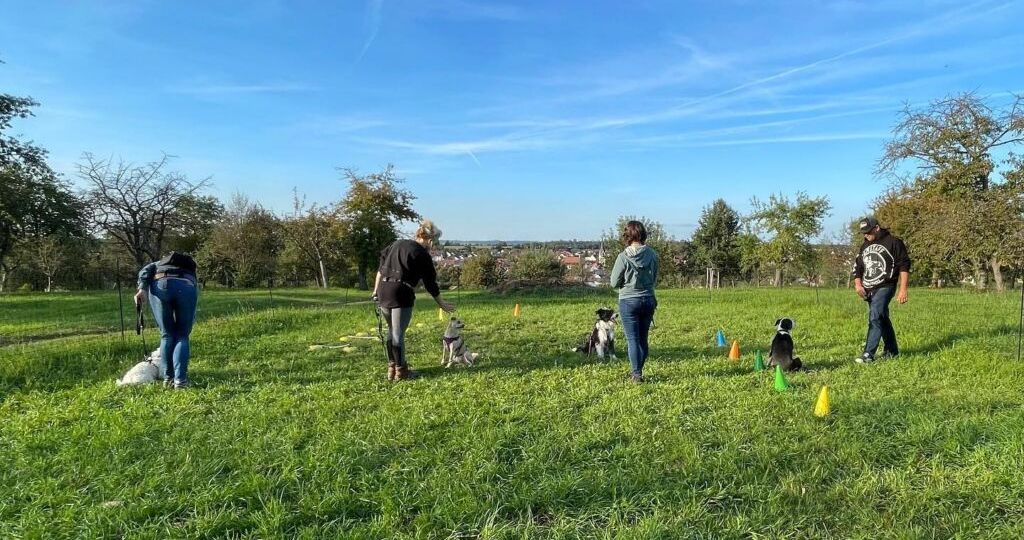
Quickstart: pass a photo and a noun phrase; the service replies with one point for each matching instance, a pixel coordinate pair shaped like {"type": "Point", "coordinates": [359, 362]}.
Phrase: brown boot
{"type": "Point", "coordinates": [392, 371]}
{"type": "Point", "coordinates": [404, 374]}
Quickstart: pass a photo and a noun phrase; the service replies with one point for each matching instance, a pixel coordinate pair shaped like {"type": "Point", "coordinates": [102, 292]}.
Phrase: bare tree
{"type": "Point", "coordinates": [137, 205]}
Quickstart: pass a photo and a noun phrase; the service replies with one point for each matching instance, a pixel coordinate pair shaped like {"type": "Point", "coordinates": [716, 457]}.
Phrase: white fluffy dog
{"type": "Point", "coordinates": [144, 372]}
{"type": "Point", "coordinates": [454, 351]}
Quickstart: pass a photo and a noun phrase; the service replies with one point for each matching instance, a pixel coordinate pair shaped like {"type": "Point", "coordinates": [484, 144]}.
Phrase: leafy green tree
{"type": "Point", "coordinates": [370, 213]}
{"type": "Point", "coordinates": [34, 202]}
{"type": "Point", "coordinates": [790, 226]}
{"type": "Point", "coordinates": [243, 248]}
{"type": "Point", "coordinates": [313, 234]}
{"type": "Point", "coordinates": [657, 239]}
{"type": "Point", "coordinates": [749, 246]}
{"type": "Point", "coordinates": [536, 265]}
{"type": "Point", "coordinates": [953, 142]}
{"type": "Point", "coordinates": [480, 270]}
{"type": "Point", "coordinates": [714, 240]}
{"type": "Point", "coordinates": [192, 222]}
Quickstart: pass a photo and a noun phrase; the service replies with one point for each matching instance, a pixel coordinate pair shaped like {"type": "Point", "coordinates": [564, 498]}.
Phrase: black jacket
{"type": "Point", "coordinates": [409, 262]}
{"type": "Point", "coordinates": [879, 263]}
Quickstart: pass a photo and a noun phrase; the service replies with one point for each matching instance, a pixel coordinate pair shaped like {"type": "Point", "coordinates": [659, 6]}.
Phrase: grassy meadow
{"type": "Point", "coordinates": [276, 440]}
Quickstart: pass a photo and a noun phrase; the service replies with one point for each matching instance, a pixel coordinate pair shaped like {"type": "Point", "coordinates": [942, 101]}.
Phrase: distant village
{"type": "Point", "coordinates": [583, 263]}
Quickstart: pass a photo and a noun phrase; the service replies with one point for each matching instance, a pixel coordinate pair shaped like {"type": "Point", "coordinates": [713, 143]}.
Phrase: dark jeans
{"type": "Point", "coordinates": [174, 307]}
{"type": "Point", "coordinates": [637, 314]}
{"type": "Point", "coordinates": [879, 324]}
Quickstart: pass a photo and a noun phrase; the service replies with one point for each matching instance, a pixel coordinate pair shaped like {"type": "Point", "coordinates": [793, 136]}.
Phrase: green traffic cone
{"type": "Point", "coordinates": [780, 380]}
{"type": "Point", "coordinates": [758, 362]}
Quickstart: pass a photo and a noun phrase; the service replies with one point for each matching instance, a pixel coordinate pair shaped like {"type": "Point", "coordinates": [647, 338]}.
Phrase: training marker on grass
{"type": "Point", "coordinates": [440, 314]}
{"type": "Point", "coordinates": [720, 338]}
{"type": "Point", "coordinates": [758, 362]}
{"type": "Point", "coordinates": [734, 353]}
{"type": "Point", "coordinates": [780, 380]}
{"type": "Point", "coordinates": [821, 409]}
{"type": "Point", "coordinates": [515, 312]}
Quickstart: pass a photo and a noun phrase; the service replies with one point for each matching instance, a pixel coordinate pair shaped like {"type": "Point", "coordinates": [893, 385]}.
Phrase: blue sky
{"type": "Point", "coordinates": [509, 120]}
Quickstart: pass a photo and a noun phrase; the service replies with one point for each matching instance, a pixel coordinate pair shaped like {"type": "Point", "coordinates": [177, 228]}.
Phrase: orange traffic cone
{"type": "Point", "coordinates": [734, 353]}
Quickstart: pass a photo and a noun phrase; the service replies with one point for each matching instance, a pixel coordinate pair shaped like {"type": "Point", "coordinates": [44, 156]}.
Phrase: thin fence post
{"type": "Point", "coordinates": [120, 299]}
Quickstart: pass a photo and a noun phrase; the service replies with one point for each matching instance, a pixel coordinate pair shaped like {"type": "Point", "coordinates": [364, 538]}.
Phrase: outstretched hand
{"type": "Point", "coordinates": [445, 305]}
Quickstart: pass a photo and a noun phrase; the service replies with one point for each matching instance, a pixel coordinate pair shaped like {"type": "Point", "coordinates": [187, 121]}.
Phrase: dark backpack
{"type": "Point", "coordinates": [179, 260]}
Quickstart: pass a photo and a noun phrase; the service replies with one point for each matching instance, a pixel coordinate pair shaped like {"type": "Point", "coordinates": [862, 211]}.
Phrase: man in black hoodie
{"type": "Point", "coordinates": [881, 271]}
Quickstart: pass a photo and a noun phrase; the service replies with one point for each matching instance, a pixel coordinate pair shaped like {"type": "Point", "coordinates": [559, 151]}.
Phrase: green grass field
{"type": "Point", "coordinates": [275, 440]}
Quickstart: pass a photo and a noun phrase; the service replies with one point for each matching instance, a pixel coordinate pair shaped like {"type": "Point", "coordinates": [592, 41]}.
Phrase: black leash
{"type": "Point", "coordinates": [140, 327]}
{"type": "Point", "coordinates": [380, 327]}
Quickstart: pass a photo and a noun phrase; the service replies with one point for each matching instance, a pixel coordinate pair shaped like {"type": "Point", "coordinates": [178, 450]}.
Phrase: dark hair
{"type": "Point", "coordinates": [634, 231]}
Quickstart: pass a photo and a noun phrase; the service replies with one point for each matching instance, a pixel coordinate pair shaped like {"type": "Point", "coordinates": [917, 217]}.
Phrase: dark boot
{"type": "Point", "coordinates": [402, 371]}
{"type": "Point", "coordinates": [392, 361]}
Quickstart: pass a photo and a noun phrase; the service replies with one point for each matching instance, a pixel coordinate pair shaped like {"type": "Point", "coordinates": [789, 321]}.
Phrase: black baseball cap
{"type": "Point", "coordinates": [868, 224]}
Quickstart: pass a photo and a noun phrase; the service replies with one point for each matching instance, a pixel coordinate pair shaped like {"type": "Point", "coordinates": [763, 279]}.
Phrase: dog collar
{"type": "Point", "coordinates": [449, 340]}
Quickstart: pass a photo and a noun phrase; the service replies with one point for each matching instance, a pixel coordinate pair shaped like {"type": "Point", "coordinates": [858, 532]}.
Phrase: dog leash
{"type": "Point", "coordinates": [380, 326]}
{"type": "Point", "coordinates": [140, 327]}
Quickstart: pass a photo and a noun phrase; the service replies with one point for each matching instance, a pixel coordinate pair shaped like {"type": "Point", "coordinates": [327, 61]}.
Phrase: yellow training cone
{"type": "Point", "coordinates": [515, 312]}
{"type": "Point", "coordinates": [821, 409]}
{"type": "Point", "coordinates": [440, 314]}
{"type": "Point", "coordinates": [734, 354]}
{"type": "Point", "coordinates": [343, 339]}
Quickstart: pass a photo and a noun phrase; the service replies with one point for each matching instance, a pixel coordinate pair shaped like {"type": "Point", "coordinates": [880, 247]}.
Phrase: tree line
{"type": "Point", "coordinates": [954, 189]}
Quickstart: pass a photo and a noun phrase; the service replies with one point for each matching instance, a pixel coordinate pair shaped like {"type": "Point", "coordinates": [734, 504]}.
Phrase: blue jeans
{"type": "Point", "coordinates": [637, 314]}
{"type": "Point", "coordinates": [174, 307]}
{"type": "Point", "coordinates": [879, 324]}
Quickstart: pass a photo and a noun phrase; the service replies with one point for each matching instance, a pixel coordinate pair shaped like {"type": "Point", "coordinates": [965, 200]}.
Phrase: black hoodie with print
{"type": "Point", "coordinates": [880, 262]}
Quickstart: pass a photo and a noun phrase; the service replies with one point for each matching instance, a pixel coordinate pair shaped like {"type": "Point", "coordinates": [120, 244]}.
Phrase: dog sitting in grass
{"type": "Point", "coordinates": [454, 351]}
{"type": "Point", "coordinates": [782, 347]}
{"type": "Point", "coordinates": [144, 372]}
{"type": "Point", "coordinates": [601, 339]}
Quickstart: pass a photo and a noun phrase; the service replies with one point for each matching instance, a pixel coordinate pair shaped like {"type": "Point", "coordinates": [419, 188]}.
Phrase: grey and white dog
{"type": "Point", "coordinates": [453, 347]}
{"type": "Point", "coordinates": [144, 372]}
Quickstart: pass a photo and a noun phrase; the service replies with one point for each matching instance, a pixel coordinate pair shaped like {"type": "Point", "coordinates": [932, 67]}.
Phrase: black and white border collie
{"type": "Point", "coordinates": [782, 347]}
{"type": "Point", "coordinates": [602, 338]}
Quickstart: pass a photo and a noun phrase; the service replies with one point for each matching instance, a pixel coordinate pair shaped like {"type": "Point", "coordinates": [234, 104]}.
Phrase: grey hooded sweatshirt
{"type": "Point", "coordinates": [635, 271]}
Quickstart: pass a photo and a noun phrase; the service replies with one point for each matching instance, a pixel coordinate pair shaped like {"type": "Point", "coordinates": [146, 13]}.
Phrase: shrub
{"type": "Point", "coordinates": [480, 271]}
{"type": "Point", "coordinates": [536, 265]}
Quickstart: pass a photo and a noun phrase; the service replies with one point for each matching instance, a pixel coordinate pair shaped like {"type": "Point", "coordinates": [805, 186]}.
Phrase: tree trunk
{"type": "Point", "coordinates": [778, 277]}
{"type": "Point", "coordinates": [323, 271]}
{"type": "Point", "coordinates": [980, 275]}
{"type": "Point", "coordinates": [935, 282]}
{"type": "Point", "coordinates": [997, 274]}
{"type": "Point", "coordinates": [49, 282]}
{"type": "Point", "coordinates": [3, 278]}
{"type": "Point", "coordinates": [362, 277]}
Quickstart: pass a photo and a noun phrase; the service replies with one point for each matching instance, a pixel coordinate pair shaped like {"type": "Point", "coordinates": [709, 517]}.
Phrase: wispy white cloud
{"type": "Point", "coordinates": [228, 89]}
{"type": "Point", "coordinates": [374, 15]}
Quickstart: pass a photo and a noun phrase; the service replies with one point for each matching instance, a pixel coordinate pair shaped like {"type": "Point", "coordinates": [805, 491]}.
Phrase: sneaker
{"type": "Point", "coordinates": [865, 359]}
{"type": "Point", "coordinates": [637, 379]}
{"type": "Point", "coordinates": [167, 383]}
{"type": "Point", "coordinates": [181, 385]}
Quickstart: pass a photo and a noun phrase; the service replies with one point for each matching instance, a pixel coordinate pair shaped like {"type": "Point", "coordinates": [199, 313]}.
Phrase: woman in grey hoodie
{"type": "Point", "coordinates": [634, 274]}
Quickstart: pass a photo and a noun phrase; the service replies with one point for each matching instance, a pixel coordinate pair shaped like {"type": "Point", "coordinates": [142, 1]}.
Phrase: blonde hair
{"type": "Point", "coordinates": [428, 231]}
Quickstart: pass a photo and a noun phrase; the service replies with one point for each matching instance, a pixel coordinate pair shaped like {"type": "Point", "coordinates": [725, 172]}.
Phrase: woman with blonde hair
{"type": "Point", "coordinates": [403, 265]}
